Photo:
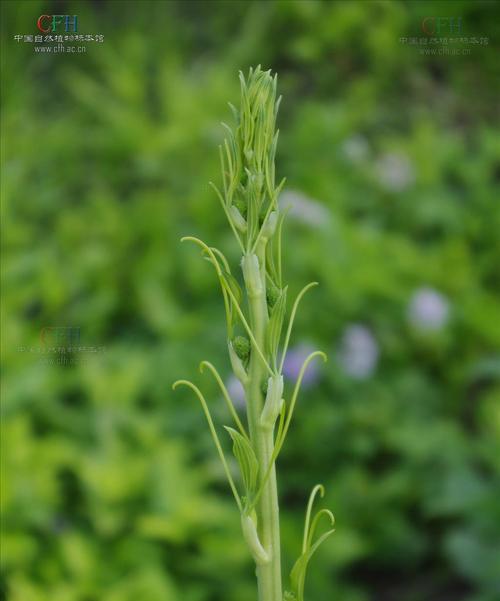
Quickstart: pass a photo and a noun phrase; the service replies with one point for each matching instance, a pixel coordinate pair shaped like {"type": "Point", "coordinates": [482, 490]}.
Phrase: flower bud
{"type": "Point", "coordinates": [241, 205]}
{"type": "Point", "coordinates": [269, 226]}
{"type": "Point", "coordinates": [237, 218]}
{"type": "Point", "coordinates": [242, 347]}
{"type": "Point", "coordinates": [272, 295]}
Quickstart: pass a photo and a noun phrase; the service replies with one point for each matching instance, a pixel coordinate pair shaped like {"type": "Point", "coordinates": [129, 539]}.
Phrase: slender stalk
{"type": "Point", "coordinates": [249, 200]}
{"type": "Point", "coordinates": [268, 574]}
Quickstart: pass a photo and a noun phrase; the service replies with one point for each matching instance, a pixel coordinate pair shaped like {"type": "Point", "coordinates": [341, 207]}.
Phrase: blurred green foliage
{"type": "Point", "coordinates": [111, 490]}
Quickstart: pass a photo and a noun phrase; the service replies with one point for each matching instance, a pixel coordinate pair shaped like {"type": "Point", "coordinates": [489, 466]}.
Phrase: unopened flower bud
{"type": "Point", "coordinates": [269, 226]}
{"type": "Point", "coordinates": [238, 219]}
{"type": "Point", "coordinates": [241, 205]}
{"type": "Point", "coordinates": [272, 294]}
{"type": "Point", "coordinates": [241, 346]}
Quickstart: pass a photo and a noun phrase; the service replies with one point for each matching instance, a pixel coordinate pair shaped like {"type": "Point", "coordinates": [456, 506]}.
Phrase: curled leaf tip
{"type": "Point", "coordinates": [321, 490]}
{"type": "Point", "coordinates": [323, 355]}
{"type": "Point", "coordinates": [309, 545]}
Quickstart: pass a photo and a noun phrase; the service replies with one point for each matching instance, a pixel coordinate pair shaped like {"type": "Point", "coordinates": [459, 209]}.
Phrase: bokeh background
{"type": "Point", "coordinates": [111, 490]}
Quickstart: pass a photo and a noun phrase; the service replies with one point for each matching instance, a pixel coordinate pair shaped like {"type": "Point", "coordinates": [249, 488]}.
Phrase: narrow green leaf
{"type": "Point", "coordinates": [275, 325]}
{"type": "Point", "coordinates": [271, 268]}
{"type": "Point", "coordinates": [299, 570]}
{"type": "Point", "coordinates": [234, 286]}
{"type": "Point", "coordinates": [215, 437]}
{"type": "Point", "coordinates": [245, 456]}
{"type": "Point", "coordinates": [292, 318]}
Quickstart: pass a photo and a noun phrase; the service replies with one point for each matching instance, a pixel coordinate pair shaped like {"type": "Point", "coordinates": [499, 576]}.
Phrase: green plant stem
{"type": "Point", "coordinates": [268, 574]}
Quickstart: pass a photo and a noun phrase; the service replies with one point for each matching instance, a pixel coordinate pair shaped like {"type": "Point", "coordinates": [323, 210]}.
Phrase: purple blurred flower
{"type": "Point", "coordinates": [294, 359]}
{"type": "Point", "coordinates": [236, 391]}
{"type": "Point", "coordinates": [428, 309]}
{"type": "Point", "coordinates": [359, 352]}
{"type": "Point", "coordinates": [395, 172]}
{"type": "Point", "coordinates": [303, 208]}
{"type": "Point", "coordinates": [355, 148]}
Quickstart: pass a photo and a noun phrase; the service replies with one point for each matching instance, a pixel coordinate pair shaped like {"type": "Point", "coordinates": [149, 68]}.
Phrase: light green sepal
{"type": "Point", "coordinates": [249, 528]}
{"type": "Point", "coordinates": [251, 274]}
{"type": "Point", "coordinates": [272, 405]}
{"type": "Point", "coordinates": [237, 365]}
